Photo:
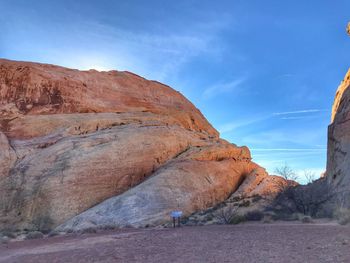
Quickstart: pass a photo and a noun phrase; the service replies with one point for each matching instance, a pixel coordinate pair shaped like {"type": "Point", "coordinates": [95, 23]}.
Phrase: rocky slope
{"type": "Point", "coordinates": [338, 154]}
{"type": "Point", "coordinates": [106, 149]}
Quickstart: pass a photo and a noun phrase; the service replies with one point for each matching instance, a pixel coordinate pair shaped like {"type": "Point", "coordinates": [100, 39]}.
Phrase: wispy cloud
{"type": "Point", "coordinates": [288, 149]}
{"type": "Point", "coordinates": [223, 88]}
{"type": "Point", "coordinates": [299, 112]}
{"type": "Point", "coordinates": [298, 118]}
{"type": "Point", "coordinates": [230, 126]}
{"type": "Point", "coordinates": [89, 43]}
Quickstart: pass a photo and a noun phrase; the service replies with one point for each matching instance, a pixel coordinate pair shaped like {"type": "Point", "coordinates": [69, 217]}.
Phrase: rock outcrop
{"type": "Point", "coordinates": [105, 149]}
{"type": "Point", "coordinates": [338, 152]}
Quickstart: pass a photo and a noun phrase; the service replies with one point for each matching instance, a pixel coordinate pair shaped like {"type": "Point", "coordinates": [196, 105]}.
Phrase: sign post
{"type": "Point", "coordinates": [176, 215]}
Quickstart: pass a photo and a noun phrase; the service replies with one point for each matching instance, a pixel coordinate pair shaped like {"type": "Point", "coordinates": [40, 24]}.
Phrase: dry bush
{"type": "Point", "coordinates": [342, 212]}
{"type": "Point", "coordinates": [34, 235]}
{"type": "Point", "coordinates": [226, 213]}
{"type": "Point", "coordinates": [309, 176]}
{"type": "Point", "coordinates": [245, 203]}
{"type": "Point", "coordinates": [53, 233]}
{"type": "Point", "coordinates": [9, 234]}
{"type": "Point", "coordinates": [237, 219]}
{"type": "Point", "coordinates": [256, 198]}
{"type": "Point", "coordinates": [306, 219]}
{"type": "Point", "coordinates": [305, 199]}
{"type": "Point", "coordinates": [255, 215]}
{"type": "Point", "coordinates": [267, 219]}
{"type": "Point", "coordinates": [343, 216]}
{"type": "Point", "coordinates": [43, 223]}
{"type": "Point", "coordinates": [89, 230]}
{"type": "Point", "coordinates": [287, 173]}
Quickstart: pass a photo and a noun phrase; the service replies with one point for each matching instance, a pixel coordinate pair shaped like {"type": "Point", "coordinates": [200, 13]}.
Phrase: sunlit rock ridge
{"type": "Point", "coordinates": [86, 148]}
{"type": "Point", "coordinates": [338, 154]}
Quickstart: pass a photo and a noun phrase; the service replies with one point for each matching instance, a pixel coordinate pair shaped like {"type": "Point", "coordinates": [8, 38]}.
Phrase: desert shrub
{"type": "Point", "coordinates": [89, 230]}
{"type": "Point", "coordinates": [8, 230]}
{"type": "Point", "coordinates": [285, 216]}
{"type": "Point", "coordinates": [53, 233]}
{"type": "Point", "coordinates": [305, 199]}
{"type": "Point", "coordinates": [209, 217]}
{"type": "Point", "coordinates": [306, 219]}
{"type": "Point", "coordinates": [237, 219]}
{"type": "Point", "coordinates": [267, 219]}
{"type": "Point", "coordinates": [343, 216]}
{"type": "Point", "coordinates": [255, 215]}
{"type": "Point", "coordinates": [9, 234]}
{"type": "Point", "coordinates": [107, 227]}
{"type": "Point", "coordinates": [256, 198]}
{"type": "Point", "coordinates": [34, 235]}
{"type": "Point", "coordinates": [235, 199]}
{"type": "Point", "coordinates": [245, 203]}
{"type": "Point", "coordinates": [4, 240]}
{"type": "Point", "coordinates": [225, 214]}
{"type": "Point", "coordinates": [43, 224]}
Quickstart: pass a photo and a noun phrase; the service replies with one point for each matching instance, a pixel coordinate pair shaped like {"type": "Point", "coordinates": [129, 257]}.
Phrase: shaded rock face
{"type": "Point", "coordinates": [338, 154]}
{"type": "Point", "coordinates": [106, 149]}
{"type": "Point", "coordinates": [254, 195]}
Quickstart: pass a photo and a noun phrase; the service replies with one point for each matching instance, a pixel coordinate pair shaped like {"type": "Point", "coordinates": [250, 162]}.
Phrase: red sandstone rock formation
{"type": "Point", "coordinates": [72, 139]}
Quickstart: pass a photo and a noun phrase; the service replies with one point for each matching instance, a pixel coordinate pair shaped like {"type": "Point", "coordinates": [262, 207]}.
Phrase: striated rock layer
{"type": "Point", "coordinates": [105, 149]}
{"type": "Point", "coordinates": [338, 153]}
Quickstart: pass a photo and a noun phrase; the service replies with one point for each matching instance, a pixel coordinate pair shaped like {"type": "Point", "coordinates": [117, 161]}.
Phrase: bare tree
{"type": "Point", "coordinates": [348, 29]}
{"type": "Point", "coordinates": [309, 176]}
{"type": "Point", "coordinates": [286, 172]}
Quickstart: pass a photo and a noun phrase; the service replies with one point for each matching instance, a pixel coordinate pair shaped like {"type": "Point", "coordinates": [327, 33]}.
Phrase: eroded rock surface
{"type": "Point", "coordinates": [197, 179]}
{"type": "Point", "coordinates": [338, 153]}
{"type": "Point", "coordinates": [105, 148]}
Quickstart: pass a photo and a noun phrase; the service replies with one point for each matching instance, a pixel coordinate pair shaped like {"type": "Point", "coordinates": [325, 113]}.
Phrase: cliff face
{"type": "Point", "coordinates": [338, 154]}
{"type": "Point", "coordinates": [133, 148]}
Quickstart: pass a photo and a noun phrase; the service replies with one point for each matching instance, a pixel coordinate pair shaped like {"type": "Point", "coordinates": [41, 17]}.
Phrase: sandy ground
{"type": "Point", "coordinates": [227, 243]}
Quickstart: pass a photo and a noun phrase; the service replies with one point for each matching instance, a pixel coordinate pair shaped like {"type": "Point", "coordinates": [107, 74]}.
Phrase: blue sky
{"type": "Point", "coordinates": [264, 73]}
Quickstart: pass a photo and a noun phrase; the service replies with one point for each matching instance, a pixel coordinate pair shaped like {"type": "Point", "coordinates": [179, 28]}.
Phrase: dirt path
{"type": "Point", "coordinates": [240, 243]}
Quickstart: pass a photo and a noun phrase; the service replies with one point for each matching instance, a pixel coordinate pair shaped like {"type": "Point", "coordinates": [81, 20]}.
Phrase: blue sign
{"type": "Point", "coordinates": [176, 214]}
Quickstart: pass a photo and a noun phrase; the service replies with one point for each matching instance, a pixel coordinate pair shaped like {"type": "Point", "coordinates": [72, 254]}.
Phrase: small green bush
{"type": "Point", "coordinates": [209, 217]}
{"type": "Point", "coordinates": [237, 219]}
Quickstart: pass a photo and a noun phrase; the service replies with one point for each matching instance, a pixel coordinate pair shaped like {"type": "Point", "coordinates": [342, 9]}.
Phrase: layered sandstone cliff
{"type": "Point", "coordinates": [338, 154]}
{"type": "Point", "coordinates": [105, 148]}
